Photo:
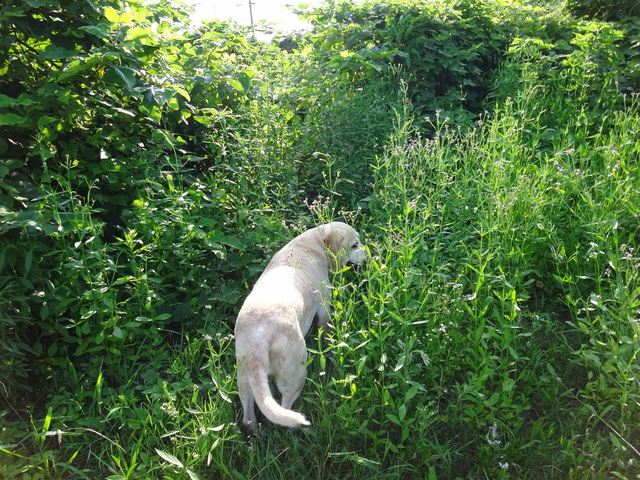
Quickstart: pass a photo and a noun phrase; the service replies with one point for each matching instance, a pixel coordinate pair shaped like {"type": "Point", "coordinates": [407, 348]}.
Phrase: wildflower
{"type": "Point", "coordinates": [169, 409]}
{"type": "Point", "coordinates": [492, 435]}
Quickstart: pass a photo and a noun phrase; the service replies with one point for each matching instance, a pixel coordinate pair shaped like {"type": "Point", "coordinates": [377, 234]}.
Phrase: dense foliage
{"type": "Point", "coordinates": [488, 154]}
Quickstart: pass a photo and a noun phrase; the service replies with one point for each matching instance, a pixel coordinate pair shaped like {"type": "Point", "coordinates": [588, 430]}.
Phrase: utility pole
{"type": "Point", "coordinates": [251, 12]}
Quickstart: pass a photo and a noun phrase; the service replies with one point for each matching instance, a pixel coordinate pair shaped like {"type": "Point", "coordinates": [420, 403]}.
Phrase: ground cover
{"type": "Point", "coordinates": [149, 172]}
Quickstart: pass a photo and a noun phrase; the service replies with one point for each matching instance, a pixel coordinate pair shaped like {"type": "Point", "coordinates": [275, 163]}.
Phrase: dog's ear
{"type": "Point", "coordinates": [333, 240]}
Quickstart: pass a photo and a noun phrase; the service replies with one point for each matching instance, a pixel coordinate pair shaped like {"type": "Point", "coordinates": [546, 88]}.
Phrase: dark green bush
{"type": "Point", "coordinates": [150, 169]}
{"type": "Point", "coordinates": [100, 198]}
{"type": "Point", "coordinates": [444, 52]}
{"type": "Point", "coordinates": [605, 9]}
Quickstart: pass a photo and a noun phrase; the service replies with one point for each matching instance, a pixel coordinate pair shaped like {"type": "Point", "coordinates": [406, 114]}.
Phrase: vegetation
{"type": "Point", "coordinates": [486, 151]}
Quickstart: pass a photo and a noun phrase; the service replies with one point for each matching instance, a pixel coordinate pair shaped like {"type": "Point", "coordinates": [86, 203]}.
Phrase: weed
{"type": "Point", "coordinates": [494, 332]}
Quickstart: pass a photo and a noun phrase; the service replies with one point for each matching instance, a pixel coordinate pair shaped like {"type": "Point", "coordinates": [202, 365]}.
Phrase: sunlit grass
{"type": "Point", "coordinates": [493, 334]}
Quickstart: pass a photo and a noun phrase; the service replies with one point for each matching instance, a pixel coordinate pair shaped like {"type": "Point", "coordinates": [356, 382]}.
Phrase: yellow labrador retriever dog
{"type": "Point", "coordinates": [277, 314]}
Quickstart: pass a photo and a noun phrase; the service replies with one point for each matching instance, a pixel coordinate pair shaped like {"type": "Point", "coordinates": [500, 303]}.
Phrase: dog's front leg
{"type": "Point", "coordinates": [324, 310]}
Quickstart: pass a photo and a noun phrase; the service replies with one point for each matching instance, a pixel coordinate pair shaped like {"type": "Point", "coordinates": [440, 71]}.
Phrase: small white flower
{"type": "Point", "coordinates": [492, 435]}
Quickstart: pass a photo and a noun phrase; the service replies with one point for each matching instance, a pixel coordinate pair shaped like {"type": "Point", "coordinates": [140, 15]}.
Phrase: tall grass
{"type": "Point", "coordinates": [494, 333]}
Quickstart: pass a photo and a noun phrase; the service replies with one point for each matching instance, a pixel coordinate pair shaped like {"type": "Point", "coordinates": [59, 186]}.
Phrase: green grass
{"type": "Point", "coordinates": [493, 334]}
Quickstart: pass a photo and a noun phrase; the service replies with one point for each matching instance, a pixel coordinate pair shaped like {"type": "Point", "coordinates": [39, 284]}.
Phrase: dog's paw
{"type": "Point", "coordinates": [250, 428]}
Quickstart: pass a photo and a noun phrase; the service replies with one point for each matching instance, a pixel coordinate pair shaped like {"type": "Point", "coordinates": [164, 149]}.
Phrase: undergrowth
{"type": "Point", "coordinates": [494, 332]}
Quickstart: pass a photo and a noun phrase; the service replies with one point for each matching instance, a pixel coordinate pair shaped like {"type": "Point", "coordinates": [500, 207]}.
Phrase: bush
{"type": "Point", "coordinates": [444, 52]}
{"type": "Point", "coordinates": [604, 9]}
{"type": "Point", "coordinates": [492, 334]}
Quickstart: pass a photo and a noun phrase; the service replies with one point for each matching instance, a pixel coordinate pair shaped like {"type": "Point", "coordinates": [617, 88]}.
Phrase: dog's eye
{"type": "Point", "coordinates": [355, 245]}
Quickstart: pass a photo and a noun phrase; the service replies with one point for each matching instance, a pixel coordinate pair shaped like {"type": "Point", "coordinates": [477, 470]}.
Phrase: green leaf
{"type": "Point", "coordinates": [47, 420]}
{"type": "Point", "coordinates": [11, 119]}
{"type": "Point", "coordinates": [108, 303]}
{"type": "Point", "coordinates": [551, 370]}
{"type": "Point", "coordinates": [126, 74]}
{"type": "Point", "coordinates": [51, 52]}
{"type": "Point", "coordinates": [615, 440]}
{"type": "Point", "coordinates": [77, 66]}
{"type": "Point", "coordinates": [192, 475]}
{"type": "Point", "coordinates": [6, 101]}
{"type": "Point", "coordinates": [236, 84]}
{"type": "Point", "coordinates": [117, 332]}
{"type": "Point", "coordinates": [183, 93]}
{"type": "Point", "coordinates": [393, 418]}
{"type": "Point", "coordinates": [100, 30]}
{"type": "Point", "coordinates": [412, 392]}
{"type": "Point", "coordinates": [111, 14]}
{"type": "Point", "coordinates": [400, 363]}
{"type": "Point", "coordinates": [232, 241]}
{"type": "Point", "coordinates": [3, 257]}
{"type": "Point", "coordinates": [37, 348]}
{"type": "Point", "coordinates": [28, 261]}
{"type": "Point", "coordinates": [169, 458]}
{"type": "Point", "coordinates": [163, 95]}
{"type": "Point", "coordinates": [493, 400]}
{"type": "Point", "coordinates": [402, 412]}
{"type": "Point", "coordinates": [593, 357]}
{"type": "Point", "coordinates": [137, 33]}
{"type": "Point", "coordinates": [44, 311]}
{"type": "Point", "coordinates": [513, 353]}
{"type": "Point", "coordinates": [36, 3]}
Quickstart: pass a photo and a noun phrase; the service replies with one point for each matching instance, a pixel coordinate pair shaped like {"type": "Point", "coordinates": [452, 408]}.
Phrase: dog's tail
{"type": "Point", "coordinates": [258, 377]}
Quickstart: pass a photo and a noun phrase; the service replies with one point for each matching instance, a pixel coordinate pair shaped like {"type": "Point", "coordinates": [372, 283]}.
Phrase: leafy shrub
{"type": "Point", "coordinates": [363, 61]}
{"type": "Point", "coordinates": [98, 192]}
{"type": "Point", "coordinates": [493, 334]}
{"type": "Point", "coordinates": [604, 9]}
{"type": "Point", "coordinates": [446, 51]}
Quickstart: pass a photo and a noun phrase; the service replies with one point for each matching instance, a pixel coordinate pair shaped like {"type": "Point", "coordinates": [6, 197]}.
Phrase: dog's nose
{"type": "Point", "coordinates": [360, 256]}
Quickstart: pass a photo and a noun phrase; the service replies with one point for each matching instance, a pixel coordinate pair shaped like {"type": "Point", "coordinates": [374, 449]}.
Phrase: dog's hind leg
{"type": "Point", "coordinates": [247, 399]}
{"type": "Point", "coordinates": [290, 380]}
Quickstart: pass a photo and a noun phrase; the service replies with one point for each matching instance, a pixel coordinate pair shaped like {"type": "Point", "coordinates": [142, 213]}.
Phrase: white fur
{"type": "Point", "coordinates": [277, 314]}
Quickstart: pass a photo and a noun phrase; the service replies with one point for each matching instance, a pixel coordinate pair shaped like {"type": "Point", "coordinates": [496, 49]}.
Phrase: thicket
{"type": "Point", "coordinates": [487, 152]}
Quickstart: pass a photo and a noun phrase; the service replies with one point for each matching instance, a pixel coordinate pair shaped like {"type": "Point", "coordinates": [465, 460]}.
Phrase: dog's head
{"type": "Point", "coordinates": [343, 244]}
